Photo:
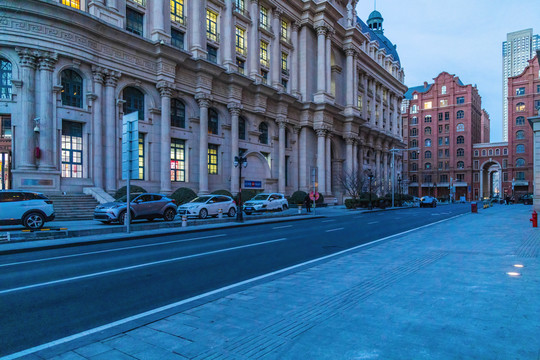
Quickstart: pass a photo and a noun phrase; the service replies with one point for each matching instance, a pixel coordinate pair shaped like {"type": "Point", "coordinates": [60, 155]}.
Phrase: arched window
{"type": "Point", "coordinates": [475, 152]}
{"type": "Point", "coordinates": [5, 79]}
{"type": "Point", "coordinates": [263, 136]}
{"type": "Point", "coordinates": [460, 152]}
{"type": "Point", "coordinates": [460, 114]}
{"type": "Point", "coordinates": [460, 165]}
{"type": "Point", "coordinates": [213, 122]}
{"type": "Point", "coordinates": [460, 127]}
{"type": "Point", "coordinates": [520, 106]}
{"type": "Point", "coordinates": [414, 120]}
{"type": "Point", "coordinates": [520, 120]}
{"type": "Point", "coordinates": [461, 139]}
{"type": "Point", "coordinates": [241, 128]}
{"type": "Point", "coordinates": [178, 113]}
{"type": "Point", "coordinates": [427, 155]}
{"type": "Point", "coordinates": [414, 167]}
{"type": "Point", "coordinates": [427, 131]}
{"type": "Point", "coordinates": [497, 151]}
{"type": "Point", "coordinates": [427, 166]}
{"type": "Point", "coordinates": [72, 89]}
{"type": "Point", "coordinates": [520, 149]}
{"type": "Point", "coordinates": [427, 142]}
{"type": "Point", "coordinates": [134, 101]}
{"type": "Point", "coordinates": [520, 134]}
{"type": "Point", "coordinates": [484, 153]}
{"type": "Point", "coordinates": [505, 151]}
{"type": "Point", "coordinates": [414, 132]}
{"type": "Point", "coordinates": [414, 179]}
{"type": "Point", "coordinates": [414, 155]}
{"type": "Point", "coordinates": [427, 118]}
{"type": "Point", "coordinates": [520, 162]}
{"type": "Point", "coordinates": [414, 143]}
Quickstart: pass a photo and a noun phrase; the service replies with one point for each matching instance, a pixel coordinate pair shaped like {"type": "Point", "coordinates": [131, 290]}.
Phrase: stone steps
{"type": "Point", "coordinates": [73, 206]}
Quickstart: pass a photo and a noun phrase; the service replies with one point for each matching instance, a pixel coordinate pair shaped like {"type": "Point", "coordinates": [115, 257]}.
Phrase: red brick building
{"type": "Point", "coordinates": [485, 127]}
{"type": "Point", "coordinates": [442, 122]}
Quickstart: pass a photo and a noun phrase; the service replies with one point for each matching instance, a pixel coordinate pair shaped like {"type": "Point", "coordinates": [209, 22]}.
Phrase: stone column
{"type": "Point", "coordinates": [229, 37]}
{"type": "Point", "coordinates": [158, 14]}
{"type": "Point", "coordinates": [481, 177]}
{"type": "Point", "coordinates": [254, 46]}
{"type": "Point", "coordinates": [321, 164]}
{"type": "Point", "coordinates": [328, 68]}
{"type": "Point", "coordinates": [374, 103]}
{"type": "Point", "coordinates": [275, 60]}
{"type": "Point", "coordinates": [328, 167]}
{"type": "Point", "coordinates": [25, 134]}
{"type": "Point", "coordinates": [97, 129]}
{"type": "Point", "coordinates": [46, 125]}
{"type": "Point", "coordinates": [282, 123]}
{"type": "Point", "coordinates": [385, 171]}
{"type": "Point", "coordinates": [204, 104]}
{"type": "Point", "coordinates": [349, 141]}
{"type": "Point", "coordinates": [350, 77]}
{"type": "Point", "coordinates": [355, 157]}
{"type": "Point", "coordinates": [112, 4]}
{"type": "Point", "coordinates": [378, 164]}
{"type": "Point", "coordinates": [296, 154]}
{"type": "Point", "coordinates": [321, 59]}
{"type": "Point", "coordinates": [110, 130]}
{"type": "Point", "coordinates": [165, 90]}
{"type": "Point", "coordinates": [360, 157]}
{"type": "Point", "coordinates": [294, 72]}
{"type": "Point", "coordinates": [303, 160]}
{"type": "Point", "coordinates": [234, 109]}
{"type": "Point", "coordinates": [198, 47]}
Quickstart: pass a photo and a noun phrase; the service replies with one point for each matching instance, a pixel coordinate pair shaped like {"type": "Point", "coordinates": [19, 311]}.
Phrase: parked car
{"type": "Point", "coordinates": [266, 202]}
{"type": "Point", "coordinates": [428, 201]}
{"type": "Point", "coordinates": [28, 208]}
{"type": "Point", "coordinates": [526, 199]}
{"type": "Point", "coordinates": [143, 206]}
{"type": "Point", "coordinates": [208, 205]}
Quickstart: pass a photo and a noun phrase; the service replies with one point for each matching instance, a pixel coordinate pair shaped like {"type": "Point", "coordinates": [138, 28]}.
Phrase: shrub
{"type": "Point", "coordinates": [222, 192]}
{"type": "Point", "coordinates": [297, 198]}
{"type": "Point", "coordinates": [353, 203]}
{"type": "Point", "coordinates": [320, 200]}
{"type": "Point", "coordinates": [133, 189]}
{"type": "Point", "coordinates": [183, 195]}
{"type": "Point", "coordinates": [247, 194]}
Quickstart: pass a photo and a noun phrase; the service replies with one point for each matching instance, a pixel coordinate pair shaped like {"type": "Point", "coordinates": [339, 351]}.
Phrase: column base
{"type": "Point", "coordinates": [160, 35]}
{"type": "Point", "coordinates": [198, 52]}
{"type": "Point", "coordinates": [105, 13]}
{"type": "Point", "coordinates": [322, 97]}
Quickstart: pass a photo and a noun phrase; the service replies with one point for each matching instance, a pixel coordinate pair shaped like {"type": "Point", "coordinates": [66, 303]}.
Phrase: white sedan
{"type": "Point", "coordinates": [208, 205]}
{"type": "Point", "coordinates": [266, 202]}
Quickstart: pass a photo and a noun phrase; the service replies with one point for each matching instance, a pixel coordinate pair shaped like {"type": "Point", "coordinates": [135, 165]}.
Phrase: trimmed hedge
{"type": "Point", "coordinates": [183, 195]}
{"type": "Point", "coordinates": [247, 194]}
{"type": "Point", "coordinates": [133, 189]}
{"type": "Point", "coordinates": [222, 192]}
{"type": "Point", "coordinates": [297, 198]}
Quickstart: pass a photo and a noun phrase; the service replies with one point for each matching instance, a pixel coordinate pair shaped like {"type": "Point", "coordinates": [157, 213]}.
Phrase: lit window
{"type": "Point", "coordinates": [72, 149]}
{"type": "Point", "coordinates": [5, 79]}
{"type": "Point", "coordinates": [178, 160]}
{"type": "Point", "coordinates": [520, 106]}
{"type": "Point", "coordinates": [134, 21]}
{"type": "Point", "coordinates": [71, 88]}
{"type": "Point", "coordinates": [141, 156]}
{"type": "Point", "coordinates": [240, 41]}
{"type": "Point", "coordinates": [211, 26]}
{"type": "Point", "coordinates": [263, 18]}
{"type": "Point", "coordinates": [520, 120]}
{"type": "Point", "coordinates": [212, 159]}
{"type": "Point", "coordinates": [72, 3]}
{"type": "Point", "coordinates": [428, 105]}
{"type": "Point", "coordinates": [284, 60]}
{"type": "Point", "coordinates": [213, 122]}
{"type": "Point", "coordinates": [443, 102]}
{"type": "Point", "coordinates": [177, 11]}
{"type": "Point", "coordinates": [241, 66]}
{"type": "Point", "coordinates": [427, 142]}
{"type": "Point", "coordinates": [284, 32]}
{"type": "Point", "coordinates": [264, 54]}
{"type": "Point", "coordinates": [359, 102]}
{"type": "Point", "coordinates": [415, 97]}
{"type": "Point", "coordinates": [460, 127]}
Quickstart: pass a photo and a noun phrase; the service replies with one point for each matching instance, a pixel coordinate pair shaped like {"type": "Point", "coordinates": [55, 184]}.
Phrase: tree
{"type": "Point", "coordinates": [353, 183]}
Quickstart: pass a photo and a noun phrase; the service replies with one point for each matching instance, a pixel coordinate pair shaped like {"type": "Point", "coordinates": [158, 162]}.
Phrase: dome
{"type": "Point", "coordinates": [375, 15]}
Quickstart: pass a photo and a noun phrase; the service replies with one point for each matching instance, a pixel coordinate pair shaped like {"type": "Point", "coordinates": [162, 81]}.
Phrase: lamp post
{"type": "Point", "coordinates": [239, 162]}
{"type": "Point", "coordinates": [399, 189]}
{"type": "Point", "coordinates": [393, 151]}
{"type": "Point", "coordinates": [370, 175]}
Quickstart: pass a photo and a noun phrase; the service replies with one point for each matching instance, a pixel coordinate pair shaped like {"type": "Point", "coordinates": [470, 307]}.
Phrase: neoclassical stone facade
{"type": "Point", "coordinates": [292, 85]}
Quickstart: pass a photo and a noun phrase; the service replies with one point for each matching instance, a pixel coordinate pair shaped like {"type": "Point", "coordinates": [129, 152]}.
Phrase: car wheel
{"type": "Point", "coordinates": [285, 207]}
{"type": "Point", "coordinates": [203, 214]}
{"type": "Point", "coordinates": [122, 218]}
{"type": "Point", "coordinates": [169, 214]}
{"type": "Point", "coordinates": [34, 221]}
{"type": "Point", "coordinates": [232, 212]}
{"type": "Point", "coordinates": [434, 204]}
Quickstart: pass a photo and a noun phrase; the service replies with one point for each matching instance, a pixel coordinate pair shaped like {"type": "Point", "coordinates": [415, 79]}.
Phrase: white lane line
{"type": "Point", "coordinates": [334, 229]}
{"type": "Point", "coordinates": [202, 296]}
{"type": "Point", "coordinates": [112, 250]}
{"type": "Point", "coordinates": [282, 227]}
{"type": "Point", "coordinates": [373, 222]}
{"type": "Point", "coordinates": [435, 214]}
{"type": "Point", "coordinates": [133, 267]}
{"type": "Point", "coordinates": [325, 221]}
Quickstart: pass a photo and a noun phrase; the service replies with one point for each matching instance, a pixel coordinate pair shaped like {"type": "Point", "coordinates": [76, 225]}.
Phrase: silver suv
{"type": "Point", "coordinates": [28, 208]}
{"type": "Point", "coordinates": [142, 206]}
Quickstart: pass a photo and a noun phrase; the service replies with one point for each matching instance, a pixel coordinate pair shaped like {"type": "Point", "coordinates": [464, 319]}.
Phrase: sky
{"type": "Point", "coordinates": [461, 37]}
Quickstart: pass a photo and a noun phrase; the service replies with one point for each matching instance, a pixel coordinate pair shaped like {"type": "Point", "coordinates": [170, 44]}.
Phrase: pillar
{"type": "Point", "coordinates": [110, 130]}
{"type": "Point", "coordinates": [253, 35]}
{"type": "Point", "coordinates": [385, 171]}
{"type": "Point", "coordinates": [25, 127]}
{"type": "Point", "coordinates": [97, 128]}
{"type": "Point", "coordinates": [328, 62]}
{"type": "Point", "coordinates": [275, 60]}
{"type": "Point", "coordinates": [294, 73]}
{"type": "Point", "coordinates": [204, 104]}
{"type": "Point", "coordinates": [378, 165]}
{"type": "Point", "coordinates": [198, 46]}
{"type": "Point", "coordinates": [321, 58]}
{"type": "Point", "coordinates": [46, 124]}
{"type": "Point", "coordinates": [349, 156]}
{"type": "Point", "coordinates": [481, 177]}
{"type": "Point", "coordinates": [229, 37]}
{"type": "Point", "coordinates": [282, 124]}
{"type": "Point", "coordinates": [328, 167]}
{"type": "Point", "coordinates": [296, 155]}
{"type": "Point", "coordinates": [303, 160]}
{"type": "Point", "coordinates": [355, 166]}
{"type": "Point", "coordinates": [112, 4]}
{"type": "Point", "coordinates": [158, 18]}
{"type": "Point", "coordinates": [350, 77]}
{"type": "Point", "coordinates": [360, 157]}
{"type": "Point", "coordinates": [321, 168]}
{"type": "Point", "coordinates": [234, 109]}
{"type": "Point", "coordinates": [165, 91]}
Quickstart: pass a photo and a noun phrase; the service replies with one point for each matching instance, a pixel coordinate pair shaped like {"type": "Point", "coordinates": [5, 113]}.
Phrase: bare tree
{"type": "Point", "coordinates": [353, 183]}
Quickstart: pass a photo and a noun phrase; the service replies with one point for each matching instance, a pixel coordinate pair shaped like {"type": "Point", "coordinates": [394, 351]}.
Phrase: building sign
{"type": "Point", "coordinates": [252, 184]}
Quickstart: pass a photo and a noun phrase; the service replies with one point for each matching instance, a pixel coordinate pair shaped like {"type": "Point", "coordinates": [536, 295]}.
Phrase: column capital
{"type": "Point", "coordinates": [235, 108]}
{"type": "Point", "coordinates": [321, 132]}
{"type": "Point", "coordinates": [282, 122]}
{"type": "Point", "coordinates": [28, 57]}
{"type": "Point", "coordinates": [295, 26]}
{"type": "Point", "coordinates": [349, 140]}
{"type": "Point", "coordinates": [321, 29]}
{"type": "Point", "coordinates": [203, 99]}
{"type": "Point", "coordinates": [165, 88]}
{"type": "Point", "coordinates": [112, 77]}
{"type": "Point", "coordinates": [278, 11]}
{"type": "Point", "coordinates": [296, 129]}
{"type": "Point", "coordinates": [47, 60]}
{"type": "Point", "coordinates": [98, 74]}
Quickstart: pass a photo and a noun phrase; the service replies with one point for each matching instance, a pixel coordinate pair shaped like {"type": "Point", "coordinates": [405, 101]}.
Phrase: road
{"type": "Point", "coordinates": [47, 295]}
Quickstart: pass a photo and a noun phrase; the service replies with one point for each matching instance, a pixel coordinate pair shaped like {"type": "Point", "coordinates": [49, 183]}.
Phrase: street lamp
{"type": "Point", "coordinates": [239, 162]}
{"type": "Point", "coordinates": [370, 176]}
{"type": "Point", "coordinates": [393, 151]}
{"type": "Point", "coordinates": [399, 188]}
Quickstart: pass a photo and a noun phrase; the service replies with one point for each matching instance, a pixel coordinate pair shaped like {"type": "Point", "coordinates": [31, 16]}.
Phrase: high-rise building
{"type": "Point", "coordinates": [518, 49]}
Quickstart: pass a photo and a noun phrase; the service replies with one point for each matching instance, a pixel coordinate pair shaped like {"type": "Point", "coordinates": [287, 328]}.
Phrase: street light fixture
{"type": "Point", "coordinates": [239, 162]}
{"type": "Point", "coordinates": [370, 176]}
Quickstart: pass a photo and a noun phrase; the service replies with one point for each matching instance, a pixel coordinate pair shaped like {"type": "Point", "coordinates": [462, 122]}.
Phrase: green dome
{"type": "Point", "coordinates": [375, 15]}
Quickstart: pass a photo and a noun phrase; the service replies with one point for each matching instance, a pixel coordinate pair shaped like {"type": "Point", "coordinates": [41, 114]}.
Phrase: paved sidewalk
{"type": "Point", "coordinates": [440, 292]}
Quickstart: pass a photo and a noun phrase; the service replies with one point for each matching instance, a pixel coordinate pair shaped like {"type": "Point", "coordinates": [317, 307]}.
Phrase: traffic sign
{"type": "Point", "coordinates": [314, 196]}
{"type": "Point", "coordinates": [130, 146]}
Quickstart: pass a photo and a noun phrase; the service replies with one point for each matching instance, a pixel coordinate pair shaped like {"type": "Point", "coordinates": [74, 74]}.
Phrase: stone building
{"type": "Point", "coordinates": [292, 85]}
{"type": "Point", "coordinates": [442, 122]}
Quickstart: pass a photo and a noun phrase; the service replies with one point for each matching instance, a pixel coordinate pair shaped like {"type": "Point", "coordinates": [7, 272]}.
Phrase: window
{"type": "Point", "coordinates": [537, 104]}
{"type": "Point", "coordinates": [241, 66]}
{"type": "Point", "coordinates": [427, 155]}
{"type": "Point", "coordinates": [460, 177]}
{"type": "Point", "coordinates": [240, 5]}
{"type": "Point", "coordinates": [263, 18]}
{"type": "Point", "coordinates": [414, 155]}
{"type": "Point", "coordinates": [447, 116]}
{"type": "Point", "coordinates": [414, 179]}
{"type": "Point", "coordinates": [440, 129]}
{"type": "Point", "coordinates": [72, 89]}
{"type": "Point", "coordinates": [284, 60]}
{"type": "Point", "coordinates": [414, 120]}
{"type": "Point", "coordinates": [211, 26]}
{"type": "Point", "coordinates": [177, 39]}
{"type": "Point", "coordinates": [284, 31]}
{"type": "Point", "coordinates": [490, 152]}
{"type": "Point", "coordinates": [264, 75]}
{"type": "Point", "coordinates": [414, 143]}
{"type": "Point", "coordinates": [476, 164]}
{"type": "Point", "coordinates": [440, 165]}
{"type": "Point", "coordinates": [443, 90]}
{"type": "Point", "coordinates": [415, 96]}
{"type": "Point", "coordinates": [134, 21]}
{"type": "Point", "coordinates": [428, 105]}
{"type": "Point", "coordinates": [427, 142]}
{"type": "Point", "coordinates": [460, 165]}
{"type": "Point", "coordinates": [241, 128]}
{"type": "Point", "coordinates": [72, 149]}
{"type": "Point", "coordinates": [213, 122]}
{"type": "Point", "coordinates": [440, 116]}
{"type": "Point", "coordinates": [446, 152]}
{"type": "Point", "coordinates": [427, 166]}
{"type": "Point", "coordinates": [520, 106]}
{"type": "Point", "coordinates": [520, 134]}
{"type": "Point", "coordinates": [520, 91]}
{"type": "Point", "coordinates": [5, 79]}
{"type": "Point", "coordinates": [520, 149]}
{"type": "Point", "coordinates": [134, 101]}
{"type": "Point", "coordinates": [460, 100]}
{"type": "Point", "coordinates": [264, 54]}
{"type": "Point", "coordinates": [440, 140]}
{"type": "Point", "coordinates": [6, 127]}
{"type": "Point", "coordinates": [414, 132]}
{"type": "Point", "coordinates": [520, 162]}
{"type": "Point", "coordinates": [178, 160]}
{"type": "Point", "coordinates": [427, 131]}
{"type": "Point", "coordinates": [440, 153]}
{"type": "Point", "coordinates": [414, 109]}
{"type": "Point", "coordinates": [359, 102]}
{"type": "Point", "coordinates": [446, 128]}
{"type": "Point", "coordinates": [72, 3]}
{"type": "Point", "coordinates": [263, 136]}
{"type": "Point", "coordinates": [484, 153]}
{"type": "Point", "coordinates": [241, 41]}
{"type": "Point", "coordinates": [141, 156]}
{"type": "Point", "coordinates": [443, 102]}
{"type": "Point", "coordinates": [414, 167]}
{"type": "Point", "coordinates": [505, 176]}
{"type": "Point", "coordinates": [460, 152]}
{"type": "Point", "coordinates": [178, 113]}
{"type": "Point", "coordinates": [497, 151]}
{"type": "Point", "coordinates": [505, 151]}
{"type": "Point", "coordinates": [520, 175]}
{"type": "Point", "coordinates": [446, 140]}
{"type": "Point", "coordinates": [460, 127]}
{"type": "Point", "coordinates": [520, 120]}
{"type": "Point", "coordinates": [476, 153]}
{"type": "Point", "coordinates": [427, 118]}
{"type": "Point", "coordinates": [460, 114]}
{"type": "Point", "coordinates": [460, 140]}
{"type": "Point", "coordinates": [211, 54]}
{"type": "Point", "coordinates": [177, 11]}
{"type": "Point", "coordinates": [538, 89]}
{"type": "Point", "coordinates": [284, 83]}
{"type": "Point", "coordinates": [212, 159]}
{"type": "Point", "coordinates": [443, 178]}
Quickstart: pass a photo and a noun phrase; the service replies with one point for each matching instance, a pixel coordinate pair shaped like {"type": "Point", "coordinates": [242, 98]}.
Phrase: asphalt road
{"type": "Point", "coordinates": [47, 295]}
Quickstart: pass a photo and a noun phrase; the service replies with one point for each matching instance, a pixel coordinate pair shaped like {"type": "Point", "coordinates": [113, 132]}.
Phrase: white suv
{"type": "Point", "coordinates": [28, 208]}
{"type": "Point", "coordinates": [266, 202]}
{"type": "Point", "coordinates": [208, 205]}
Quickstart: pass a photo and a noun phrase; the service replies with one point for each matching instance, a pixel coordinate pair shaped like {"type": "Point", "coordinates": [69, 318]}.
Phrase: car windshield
{"type": "Point", "coordinates": [260, 197]}
{"type": "Point", "coordinates": [201, 199]}
{"type": "Point", "coordinates": [124, 198]}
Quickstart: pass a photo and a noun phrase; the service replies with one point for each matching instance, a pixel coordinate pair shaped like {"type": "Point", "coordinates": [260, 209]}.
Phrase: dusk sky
{"type": "Point", "coordinates": [462, 37]}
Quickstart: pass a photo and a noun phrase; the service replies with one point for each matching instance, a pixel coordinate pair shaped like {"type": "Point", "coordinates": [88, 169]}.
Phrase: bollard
{"type": "Point", "coordinates": [299, 209]}
{"type": "Point", "coordinates": [474, 207]}
{"type": "Point", "coordinates": [220, 214]}
{"type": "Point", "coordinates": [184, 220]}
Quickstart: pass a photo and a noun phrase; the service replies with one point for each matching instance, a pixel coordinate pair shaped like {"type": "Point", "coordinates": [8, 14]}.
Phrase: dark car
{"type": "Point", "coordinates": [526, 199]}
{"type": "Point", "coordinates": [142, 206]}
{"type": "Point", "coordinates": [428, 201]}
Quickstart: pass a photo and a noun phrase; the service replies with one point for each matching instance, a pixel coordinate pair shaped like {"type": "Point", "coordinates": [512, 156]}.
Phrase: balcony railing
{"type": "Point", "coordinates": [285, 72]}
{"type": "Point", "coordinates": [241, 10]}
{"type": "Point", "coordinates": [266, 27]}
{"type": "Point", "coordinates": [265, 63]}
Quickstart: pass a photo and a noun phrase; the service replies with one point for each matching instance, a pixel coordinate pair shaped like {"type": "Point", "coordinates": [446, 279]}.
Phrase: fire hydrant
{"type": "Point", "coordinates": [534, 219]}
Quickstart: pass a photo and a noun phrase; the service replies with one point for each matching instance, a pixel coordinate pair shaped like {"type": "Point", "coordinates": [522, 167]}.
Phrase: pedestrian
{"type": "Point", "coordinates": [307, 203]}
{"type": "Point", "coordinates": [507, 200]}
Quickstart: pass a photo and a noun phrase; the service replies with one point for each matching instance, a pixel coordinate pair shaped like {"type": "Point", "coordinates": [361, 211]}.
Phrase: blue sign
{"type": "Point", "coordinates": [469, 188]}
{"type": "Point", "coordinates": [253, 184]}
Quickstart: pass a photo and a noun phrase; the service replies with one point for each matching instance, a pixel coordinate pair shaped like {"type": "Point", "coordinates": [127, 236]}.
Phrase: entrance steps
{"type": "Point", "coordinates": [73, 206]}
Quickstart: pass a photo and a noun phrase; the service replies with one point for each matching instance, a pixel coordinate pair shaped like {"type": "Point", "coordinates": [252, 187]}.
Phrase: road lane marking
{"type": "Point", "coordinates": [133, 267]}
{"type": "Point", "coordinates": [282, 227]}
{"type": "Point", "coordinates": [112, 250]}
{"type": "Point", "coordinates": [210, 293]}
{"type": "Point", "coordinates": [325, 221]}
{"type": "Point", "coordinates": [334, 229]}
{"type": "Point", "coordinates": [373, 222]}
